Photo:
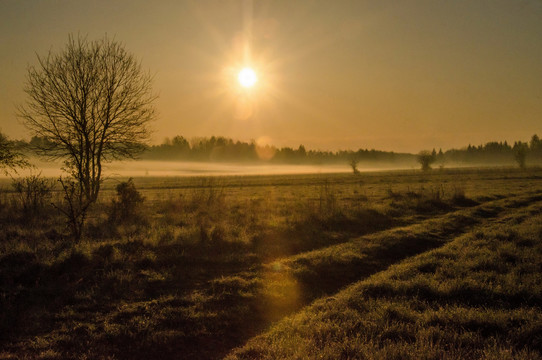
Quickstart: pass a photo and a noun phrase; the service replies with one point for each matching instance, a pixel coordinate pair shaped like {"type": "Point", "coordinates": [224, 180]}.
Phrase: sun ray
{"type": "Point", "coordinates": [251, 84]}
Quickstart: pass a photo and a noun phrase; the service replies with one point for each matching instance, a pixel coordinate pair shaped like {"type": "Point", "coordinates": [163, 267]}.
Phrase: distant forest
{"type": "Point", "coordinates": [221, 149]}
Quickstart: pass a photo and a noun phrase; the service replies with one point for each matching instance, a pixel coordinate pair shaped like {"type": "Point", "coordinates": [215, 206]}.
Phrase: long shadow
{"type": "Point", "coordinates": [34, 297]}
{"type": "Point", "coordinates": [208, 299]}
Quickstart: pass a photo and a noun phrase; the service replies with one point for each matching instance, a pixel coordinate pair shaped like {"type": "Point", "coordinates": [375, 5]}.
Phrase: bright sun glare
{"type": "Point", "coordinates": [247, 77]}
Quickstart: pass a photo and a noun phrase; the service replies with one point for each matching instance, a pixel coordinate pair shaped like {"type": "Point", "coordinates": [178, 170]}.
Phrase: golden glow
{"type": "Point", "coordinates": [281, 290]}
{"type": "Point", "coordinates": [264, 148]}
{"type": "Point", "coordinates": [247, 77]}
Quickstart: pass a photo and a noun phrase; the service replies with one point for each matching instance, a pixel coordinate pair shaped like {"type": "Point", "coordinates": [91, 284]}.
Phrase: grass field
{"type": "Point", "coordinates": [385, 265]}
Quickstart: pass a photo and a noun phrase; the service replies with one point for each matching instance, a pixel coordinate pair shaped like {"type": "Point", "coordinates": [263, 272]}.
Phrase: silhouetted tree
{"type": "Point", "coordinates": [535, 144]}
{"type": "Point", "coordinates": [426, 158]}
{"type": "Point", "coordinates": [301, 152]}
{"type": "Point", "coordinates": [354, 165]}
{"type": "Point", "coordinates": [535, 148]}
{"type": "Point", "coordinates": [180, 142]}
{"type": "Point", "coordinates": [520, 154]}
{"type": "Point", "coordinates": [92, 103]}
{"type": "Point", "coordinates": [10, 157]}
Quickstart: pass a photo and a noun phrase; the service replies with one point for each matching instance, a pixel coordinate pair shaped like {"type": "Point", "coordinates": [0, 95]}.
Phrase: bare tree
{"type": "Point", "coordinates": [92, 103]}
{"type": "Point", "coordinates": [426, 159]}
{"type": "Point", "coordinates": [354, 165]}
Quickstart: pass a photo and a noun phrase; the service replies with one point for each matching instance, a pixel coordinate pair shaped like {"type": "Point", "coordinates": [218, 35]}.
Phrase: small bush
{"type": "Point", "coordinates": [32, 194]}
{"type": "Point", "coordinates": [73, 207]}
{"type": "Point", "coordinates": [127, 206]}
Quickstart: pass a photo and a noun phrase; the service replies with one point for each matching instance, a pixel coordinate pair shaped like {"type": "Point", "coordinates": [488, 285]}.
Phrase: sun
{"type": "Point", "coordinates": [247, 77]}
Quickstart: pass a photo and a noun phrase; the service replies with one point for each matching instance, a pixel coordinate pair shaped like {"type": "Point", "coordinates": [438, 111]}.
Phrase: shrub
{"type": "Point", "coordinates": [426, 158]}
{"type": "Point", "coordinates": [126, 207]}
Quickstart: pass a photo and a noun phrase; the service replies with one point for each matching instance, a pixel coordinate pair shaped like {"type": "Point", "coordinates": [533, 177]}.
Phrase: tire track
{"type": "Point", "coordinates": [290, 284]}
{"type": "Point", "coordinates": [508, 213]}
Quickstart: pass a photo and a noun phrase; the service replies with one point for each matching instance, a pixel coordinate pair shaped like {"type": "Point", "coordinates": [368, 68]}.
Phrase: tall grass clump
{"type": "Point", "coordinates": [207, 196]}
{"type": "Point", "coordinates": [460, 198]}
{"type": "Point", "coordinates": [327, 202]}
{"type": "Point", "coordinates": [428, 199]}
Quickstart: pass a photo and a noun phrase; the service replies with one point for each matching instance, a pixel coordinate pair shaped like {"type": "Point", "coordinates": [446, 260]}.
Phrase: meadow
{"type": "Point", "coordinates": [443, 264]}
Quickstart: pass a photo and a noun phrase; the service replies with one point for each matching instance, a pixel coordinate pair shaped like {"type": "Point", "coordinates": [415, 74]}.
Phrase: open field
{"type": "Point", "coordinates": [381, 265]}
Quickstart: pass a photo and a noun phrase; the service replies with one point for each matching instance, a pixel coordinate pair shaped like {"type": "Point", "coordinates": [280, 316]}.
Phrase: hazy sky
{"type": "Point", "coordinates": [390, 75]}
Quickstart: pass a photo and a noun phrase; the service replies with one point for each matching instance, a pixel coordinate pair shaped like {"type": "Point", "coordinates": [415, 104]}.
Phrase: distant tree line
{"type": "Point", "coordinates": [229, 150]}
{"type": "Point", "coordinates": [221, 149]}
{"type": "Point", "coordinates": [224, 149]}
{"type": "Point", "coordinates": [494, 153]}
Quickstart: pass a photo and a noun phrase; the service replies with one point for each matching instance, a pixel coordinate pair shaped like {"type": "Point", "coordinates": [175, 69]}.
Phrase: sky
{"type": "Point", "coordinates": [390, 75]}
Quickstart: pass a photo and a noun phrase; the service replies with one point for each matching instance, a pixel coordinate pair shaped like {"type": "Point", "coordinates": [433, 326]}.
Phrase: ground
{"type": "Point", "coordinates": [404, 264]}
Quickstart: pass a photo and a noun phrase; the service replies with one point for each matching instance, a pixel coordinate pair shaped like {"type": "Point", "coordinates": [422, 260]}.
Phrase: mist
{"type": "Point", "coordinates": [152, 168]}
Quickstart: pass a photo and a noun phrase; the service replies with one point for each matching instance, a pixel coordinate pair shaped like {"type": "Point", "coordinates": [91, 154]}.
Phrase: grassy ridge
{"type": "Point", "coordinates": [326, 270]}
{"type": "Point", "coordinates": [288, 284]}
{"type": "Point", "coordinates": [477, 297]}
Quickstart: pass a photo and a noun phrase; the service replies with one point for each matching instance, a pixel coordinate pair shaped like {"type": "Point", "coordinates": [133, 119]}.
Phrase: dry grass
{"type": "Point", "coordinates": [212, 262]}
{"type": "Point", "coordinates": [477, 297]}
